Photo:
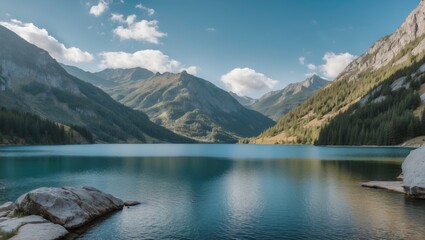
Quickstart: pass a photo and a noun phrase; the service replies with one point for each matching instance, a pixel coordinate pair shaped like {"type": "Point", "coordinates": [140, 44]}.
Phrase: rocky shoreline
{"type": "Point", "coordinates": [413, 172]}
{"type": "Point", "coordinates": [56, 213]}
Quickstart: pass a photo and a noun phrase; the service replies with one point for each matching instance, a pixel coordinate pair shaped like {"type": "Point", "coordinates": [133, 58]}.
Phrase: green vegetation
{"type": "Point", "coordinates": [16, 127]}
{"type": "Point", "coordinates": [8, 235]}
{"type": "Point", "coordinates": [305, 122]}
{"type": "Point", "coordinates": [387, 122]}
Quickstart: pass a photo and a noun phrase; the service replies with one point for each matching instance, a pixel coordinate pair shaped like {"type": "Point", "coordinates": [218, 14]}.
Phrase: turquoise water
{"type": "Point", "coordinates": [227, 191]}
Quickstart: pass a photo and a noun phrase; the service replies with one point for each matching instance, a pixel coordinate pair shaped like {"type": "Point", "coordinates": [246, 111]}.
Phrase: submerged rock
{"type": "Point", "coordinates": [68, 206]}
{"type": "Point", "coordinates": [414, 173]}
{"type": "Point", "coordinates": [130, 203]}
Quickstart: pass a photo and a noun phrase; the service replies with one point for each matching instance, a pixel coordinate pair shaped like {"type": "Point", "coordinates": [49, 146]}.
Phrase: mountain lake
{"type": "Point", "coordinates": [212, 191]}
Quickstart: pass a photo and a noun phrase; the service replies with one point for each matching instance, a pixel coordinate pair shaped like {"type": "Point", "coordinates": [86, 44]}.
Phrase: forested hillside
{"type": "Point", "coordinates": [27, 128]}
{"type": "Point", "coordinates": [386, 116]}
{"type": "Point", "coordinates": [406, 46]}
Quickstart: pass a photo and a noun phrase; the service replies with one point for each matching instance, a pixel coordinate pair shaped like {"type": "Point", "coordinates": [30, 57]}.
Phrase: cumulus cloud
{"type": "Point", "coordinates": [244, 81]}
{"type": "Point", "coordinates": [301, 60]}
{"type": "Point", "coordinates": [98, 9]}
{"type": "Point", "coordinates": [153, 60]}
{"type": "Point", "coordinates": [311, 67]}
{"type": "Point", "coordinates": [210, 29]}
{"type": "Point", "coordinates": [120, 18]}
{"type": "Point", "coordinates": [150, 11]}
{"type": "Point", "coordinates": [115, 17]}
{"type": "Point", "coordinates": [335, 63]}
{"type": "Point", "coordinates": [144, 30]}
{"type": "Point", "coordinates": [41, 38]}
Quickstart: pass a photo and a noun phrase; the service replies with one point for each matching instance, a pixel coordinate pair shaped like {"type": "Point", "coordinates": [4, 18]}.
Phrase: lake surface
{"type": "Point", "coordinates": [227, 191]}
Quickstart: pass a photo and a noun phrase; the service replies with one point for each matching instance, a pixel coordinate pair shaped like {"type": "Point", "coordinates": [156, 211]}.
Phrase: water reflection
{"type": "Point", "coordinates": [222, 198]}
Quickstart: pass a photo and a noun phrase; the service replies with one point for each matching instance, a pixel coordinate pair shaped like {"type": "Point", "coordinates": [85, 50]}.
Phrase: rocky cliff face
{"type": "Point", "coordinates": [277, 103]}
{"type": "Point", "coordinates": [192, 107]}
{"type": "Point", "coordinates": [386, 49]}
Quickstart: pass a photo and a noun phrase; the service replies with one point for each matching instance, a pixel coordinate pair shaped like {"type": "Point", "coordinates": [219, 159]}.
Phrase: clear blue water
{"type": "Point", "coordinates": [227, 191]}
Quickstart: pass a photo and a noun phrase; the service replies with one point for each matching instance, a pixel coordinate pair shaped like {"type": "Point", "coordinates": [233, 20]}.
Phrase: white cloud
{"type": "Point", "coordinates": [211, 29]}
{"type": "Point", "coordinates": [115, 17]}
{"type": "Point", "coordinates": [244, 81]}
{"type": "Point", "coordinates": [153, 60]}
{"type": "Point", "coordinates": [150, 11]}
{"type": "Point", "coordinates": [41, 38]}
{"type": "Point", "coordinates": [98, 9]}
{"type": "Point", "coordinates": [120, 18]}
{"type": "Point", "coordinates": [191, 70]}
{"type": "Point", "coordinates": [311, 67]}
{"type": "Point", "coordinates": [336, 63]}
{"type": "Point", "coordinates": [144, 30]}
{"type": "Point", "coordinates": [301, 60]}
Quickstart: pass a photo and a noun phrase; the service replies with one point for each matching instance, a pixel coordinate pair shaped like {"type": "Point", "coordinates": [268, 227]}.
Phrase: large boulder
{"type": "Point", "coordinates": [68, 206]}
{"type": "Point", "coordinates": [414, 173]}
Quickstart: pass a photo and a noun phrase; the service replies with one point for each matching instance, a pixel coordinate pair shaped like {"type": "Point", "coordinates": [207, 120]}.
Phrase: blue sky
{"type": "Point", "coordinates": [248, 46]}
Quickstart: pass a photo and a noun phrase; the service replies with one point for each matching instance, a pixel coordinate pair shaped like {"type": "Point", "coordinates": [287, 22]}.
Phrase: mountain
{"type": "Point", "coordinates": [192, 107]}
{"type": "Point", "coordinates": [88, 77]}
{"type": "Point", "coordinates": [244, 100]}
{"type": "Point", "coordinates": [278, 103]}
{"type": "Point", "coordinates": [384, 60]}
{"type": "Point", "coordinates": [120, 76]}
{"type": "Point", "coordinates": [32, 81]}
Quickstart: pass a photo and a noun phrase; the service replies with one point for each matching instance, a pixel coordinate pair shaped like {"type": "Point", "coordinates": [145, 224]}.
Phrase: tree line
{"type": "Point", "coordinates": [31, 129]}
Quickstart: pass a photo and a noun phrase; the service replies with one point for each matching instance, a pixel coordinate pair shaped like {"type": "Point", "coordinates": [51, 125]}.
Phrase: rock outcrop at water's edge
{"type": "Point", "coordinates": [413, 176]}
{"type": "Point", "coordinates": [52, 213]}
{"type": "Point", "coordinates": [395, 186]}
{"type": "Point", "coordinates": [414, 173]}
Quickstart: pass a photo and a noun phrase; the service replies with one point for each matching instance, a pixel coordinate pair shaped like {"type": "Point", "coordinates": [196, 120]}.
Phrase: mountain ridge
{"type": "Point", "coordinates": [32, 81]}
{"type": "Point", "coordinates": [276, 104]}
{"type": "Point", "coordinates": [192, 107]}
{"type": "Point", "coordinates": [388, 55]}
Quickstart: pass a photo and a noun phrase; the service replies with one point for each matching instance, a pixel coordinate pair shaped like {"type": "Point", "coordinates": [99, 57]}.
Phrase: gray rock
{"type": "Point", "coordinates": [41, 231]}
{"type": "Point", "coordinates": [130, 203]}
{"type": "Point", "coordinates": [4, 213]}
{"type": "Point", "coordinates": [70, 207]}
{"type": "Point", "coordinates": [2, 219]}
{"type": "Point", "coordinates": [395, 186]}
{"type": "Point", "coordinates": [386, 49]}
{"type": "Point", "coordinates": [8, 206]}
{"type": "Point", "coordinates": [414, 173]}
{"type": "Point", "coordinates": [11, 214]}
{"type": "Point", "coordinates": [13, 224]}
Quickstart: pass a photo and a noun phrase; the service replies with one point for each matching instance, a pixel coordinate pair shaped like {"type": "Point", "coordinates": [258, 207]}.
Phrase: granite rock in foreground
{"type": "Point", "coordinates": [50, 213]}
{"type": "Point", "coordinates": [68, 206]}
{"type": "Point", "coordinates": [414, 173]}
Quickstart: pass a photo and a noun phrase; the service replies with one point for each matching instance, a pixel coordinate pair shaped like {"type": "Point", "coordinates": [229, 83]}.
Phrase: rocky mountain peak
{"type": "Point", "coordinates": [387, 48]}
{"type": "Point", "coordinates": [315, 79]}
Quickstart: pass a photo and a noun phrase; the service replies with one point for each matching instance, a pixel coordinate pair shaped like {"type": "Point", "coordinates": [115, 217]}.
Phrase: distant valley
{"type": "Point", "coordinates": [183, 103]}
